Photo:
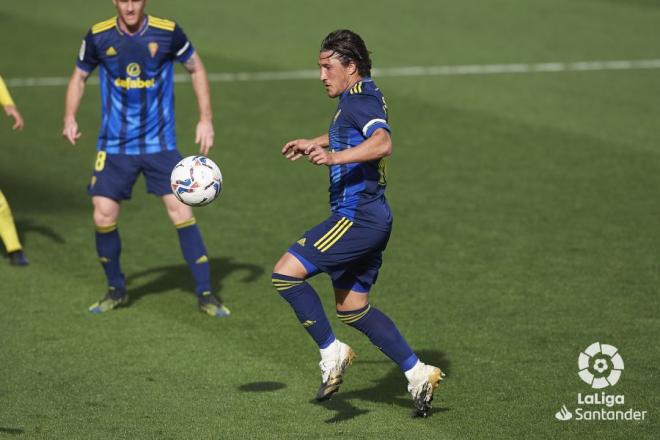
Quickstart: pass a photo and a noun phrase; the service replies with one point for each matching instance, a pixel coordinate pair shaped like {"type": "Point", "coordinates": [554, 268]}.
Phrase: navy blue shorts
{"type": "Point", "coordinates": [350, 252]}
{"type": "Point", "coordinates": [115, 174]}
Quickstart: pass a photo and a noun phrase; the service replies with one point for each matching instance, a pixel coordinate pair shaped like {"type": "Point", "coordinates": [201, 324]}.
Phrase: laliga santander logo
{"type": "Point", "coordinates": [600, 365]}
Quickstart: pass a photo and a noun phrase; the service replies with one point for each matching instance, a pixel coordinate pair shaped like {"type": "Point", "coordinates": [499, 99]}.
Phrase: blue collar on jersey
{"type": "Point", "coordinates": [348, 89]}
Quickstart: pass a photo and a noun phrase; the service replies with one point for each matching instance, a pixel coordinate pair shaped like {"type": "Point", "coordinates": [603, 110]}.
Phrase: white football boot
{"type": "Point", "coordinates": [423, 382]}
{"type": "Point", "coordinates": [332, 371]}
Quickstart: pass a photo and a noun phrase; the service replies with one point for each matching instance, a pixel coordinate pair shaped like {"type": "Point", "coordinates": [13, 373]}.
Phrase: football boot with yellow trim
{"type": "Point", "coordinates": [332, 372]}
{"type": "Point", "coordinates": [424, 382]}
{"type": "Point", "coordinates": [210, 305]}
{"type": "Point", "coordinates": [113, 299]}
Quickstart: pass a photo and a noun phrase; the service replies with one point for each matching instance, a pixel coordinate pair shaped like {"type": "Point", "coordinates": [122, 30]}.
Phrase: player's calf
{"type": "Point", "coordinates": [423, 379]}
{"type": "Point", "coordinates": [307, 306]}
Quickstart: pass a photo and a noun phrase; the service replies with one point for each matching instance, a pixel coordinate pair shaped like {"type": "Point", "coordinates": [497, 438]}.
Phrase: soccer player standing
{"type": "Point", "coordinates": [135, 53]}
{"type": "Point", "coordinates": [7, 227]}
{"type": "Point", "coordinates": [348, 245]}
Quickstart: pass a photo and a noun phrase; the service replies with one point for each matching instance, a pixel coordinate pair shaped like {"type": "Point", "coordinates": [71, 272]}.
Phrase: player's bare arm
{"type": "Point", "coordinates": [8, 105]}
{"type": "Point", "coordinates": [377, 146]}
{"type": "Point", "coordinates": [294, 150]}
{"type": "Point", "coordinates": [204, 134]}
{"type": "Point", "coordinates": [74, 93]}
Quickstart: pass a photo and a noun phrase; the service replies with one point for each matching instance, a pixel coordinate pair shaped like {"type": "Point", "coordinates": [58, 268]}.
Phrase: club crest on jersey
{"type": "Point", "coordinates": [133, 70]}
{"type": "Point", "coordinates": [153, 48]}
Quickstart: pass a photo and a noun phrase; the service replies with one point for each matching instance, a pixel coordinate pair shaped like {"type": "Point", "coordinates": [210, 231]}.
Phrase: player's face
{"type": "Point", "coordinates": [130, 12]}
{"type": "Point", "coordinates": [335, 76]}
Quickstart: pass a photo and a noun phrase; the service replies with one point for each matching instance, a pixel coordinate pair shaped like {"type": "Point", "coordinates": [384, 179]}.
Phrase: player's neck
{"type": "Point", "coordinates": [131, 30]}
{"type": "Point", "coordinates": [352, 81]}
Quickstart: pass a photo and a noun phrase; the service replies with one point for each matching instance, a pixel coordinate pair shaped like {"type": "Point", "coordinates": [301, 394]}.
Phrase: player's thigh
{"type": "Point", "coordinates": [290, 266]}
{"type": "Point", "coordinates": [157, 169]}
{"type": "Point", "coordinates": [114, 176]}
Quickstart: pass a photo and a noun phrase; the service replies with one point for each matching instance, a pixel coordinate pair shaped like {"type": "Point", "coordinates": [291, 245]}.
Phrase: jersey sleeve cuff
{"type": "Point", "coordinates": [85, 67]}
{"type": "Point", "coordinates": [184, 54]}
{"type": "Point", "coordinates": [374, 125]}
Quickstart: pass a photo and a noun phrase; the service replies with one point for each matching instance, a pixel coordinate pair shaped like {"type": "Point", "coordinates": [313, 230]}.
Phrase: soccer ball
{"type": "Point", "coordinates": [196, 180]}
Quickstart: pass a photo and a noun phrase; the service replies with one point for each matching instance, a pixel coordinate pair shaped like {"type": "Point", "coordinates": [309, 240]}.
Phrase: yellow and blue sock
{"type": "Point", "coordinates": [307, 306]}
{"type": "Point", "coordinates": [108, 248]}
{"type": "Point", "coordinates": [382, 333]}
{"type": "Point", "coordinates": [7, 228]}
{"type": "Point", "coordinates": [194, 252]}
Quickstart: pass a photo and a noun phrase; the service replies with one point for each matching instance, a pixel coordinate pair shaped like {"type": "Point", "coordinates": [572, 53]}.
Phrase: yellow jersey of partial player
{"type": "Point", "coordinates": [5, 97]}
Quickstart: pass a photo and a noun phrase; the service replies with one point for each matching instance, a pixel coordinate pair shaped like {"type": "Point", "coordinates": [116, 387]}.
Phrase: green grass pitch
{"type": "Point", "coordinates": [526, 227]}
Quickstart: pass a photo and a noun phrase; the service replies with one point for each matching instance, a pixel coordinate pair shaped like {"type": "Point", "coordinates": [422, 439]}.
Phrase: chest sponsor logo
{"type": "Point", "coordinates": [133, 71]}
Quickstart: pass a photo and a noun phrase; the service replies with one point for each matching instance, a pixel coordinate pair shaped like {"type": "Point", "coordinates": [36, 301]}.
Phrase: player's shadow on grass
{"type": "Point", "coordinates": [262, 387]}
{"type": "Point", "coordinates": [179, 277]}
{"type": "Point", "coordinates": [13, 431]}
{"type": "Point", "coordinates": [389, 389]}
{"type": "Point", "coordinates": [26, 227]}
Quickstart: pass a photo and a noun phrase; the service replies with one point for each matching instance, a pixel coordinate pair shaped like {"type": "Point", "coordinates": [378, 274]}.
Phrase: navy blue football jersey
{"type": "Point", "coordinates": [136, 79]}
{"type": "Point", "coordinates": [354, 187]}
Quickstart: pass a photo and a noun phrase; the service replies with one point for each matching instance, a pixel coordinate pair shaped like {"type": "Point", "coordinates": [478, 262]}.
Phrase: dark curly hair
{"type": "Point", "coordinates": [350, 47]}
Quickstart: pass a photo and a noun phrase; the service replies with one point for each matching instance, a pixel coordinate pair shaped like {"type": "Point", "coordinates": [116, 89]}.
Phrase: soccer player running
{"type": "Point", "coordinates": [135, 53]}
{"type": "Point", "coordinates": [7, 227]}
{"type": "Point", "coordinates": [348, 246]}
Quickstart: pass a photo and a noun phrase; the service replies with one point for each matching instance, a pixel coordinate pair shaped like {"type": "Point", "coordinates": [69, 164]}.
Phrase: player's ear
{"type": "Point", "coordinates": [352, 68]}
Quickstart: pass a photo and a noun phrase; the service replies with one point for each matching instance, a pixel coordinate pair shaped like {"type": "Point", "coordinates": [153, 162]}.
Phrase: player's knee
{"type": "Point", "coordinates": [104, 217]}
{"type": "Point", "coordinates": [280, 268]}
{"type": "Point", "coordinates": [179, 213]}
{"type": "Point", "coordinates": [106, 211]}
{"type": "Point", "coordinates": [289, 266]}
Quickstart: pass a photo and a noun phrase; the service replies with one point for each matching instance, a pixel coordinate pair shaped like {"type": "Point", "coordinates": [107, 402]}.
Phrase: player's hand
{"type": "Point", "coordinates": [13, 112]}
{"type": "Point", "coordinates": [320, 156]}
{"type": "Point", "coordinates": [70, 131]}
{"type": "Point", "coordinates": [294, 150]}
{"type": "Point", "coordinates": [204, 137]}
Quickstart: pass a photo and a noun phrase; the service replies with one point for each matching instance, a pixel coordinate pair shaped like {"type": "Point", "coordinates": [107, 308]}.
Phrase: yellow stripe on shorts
{"type": "Point", "coordinates": [327, 244]}
{"type": "Point", "coordinates": [330, 232]}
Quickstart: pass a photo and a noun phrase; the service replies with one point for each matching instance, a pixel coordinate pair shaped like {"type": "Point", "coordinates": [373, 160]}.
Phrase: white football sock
{"type": "Point", "coordinates": [331, 352]}
{"type": "Point", "coordinates": [410, 374]}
